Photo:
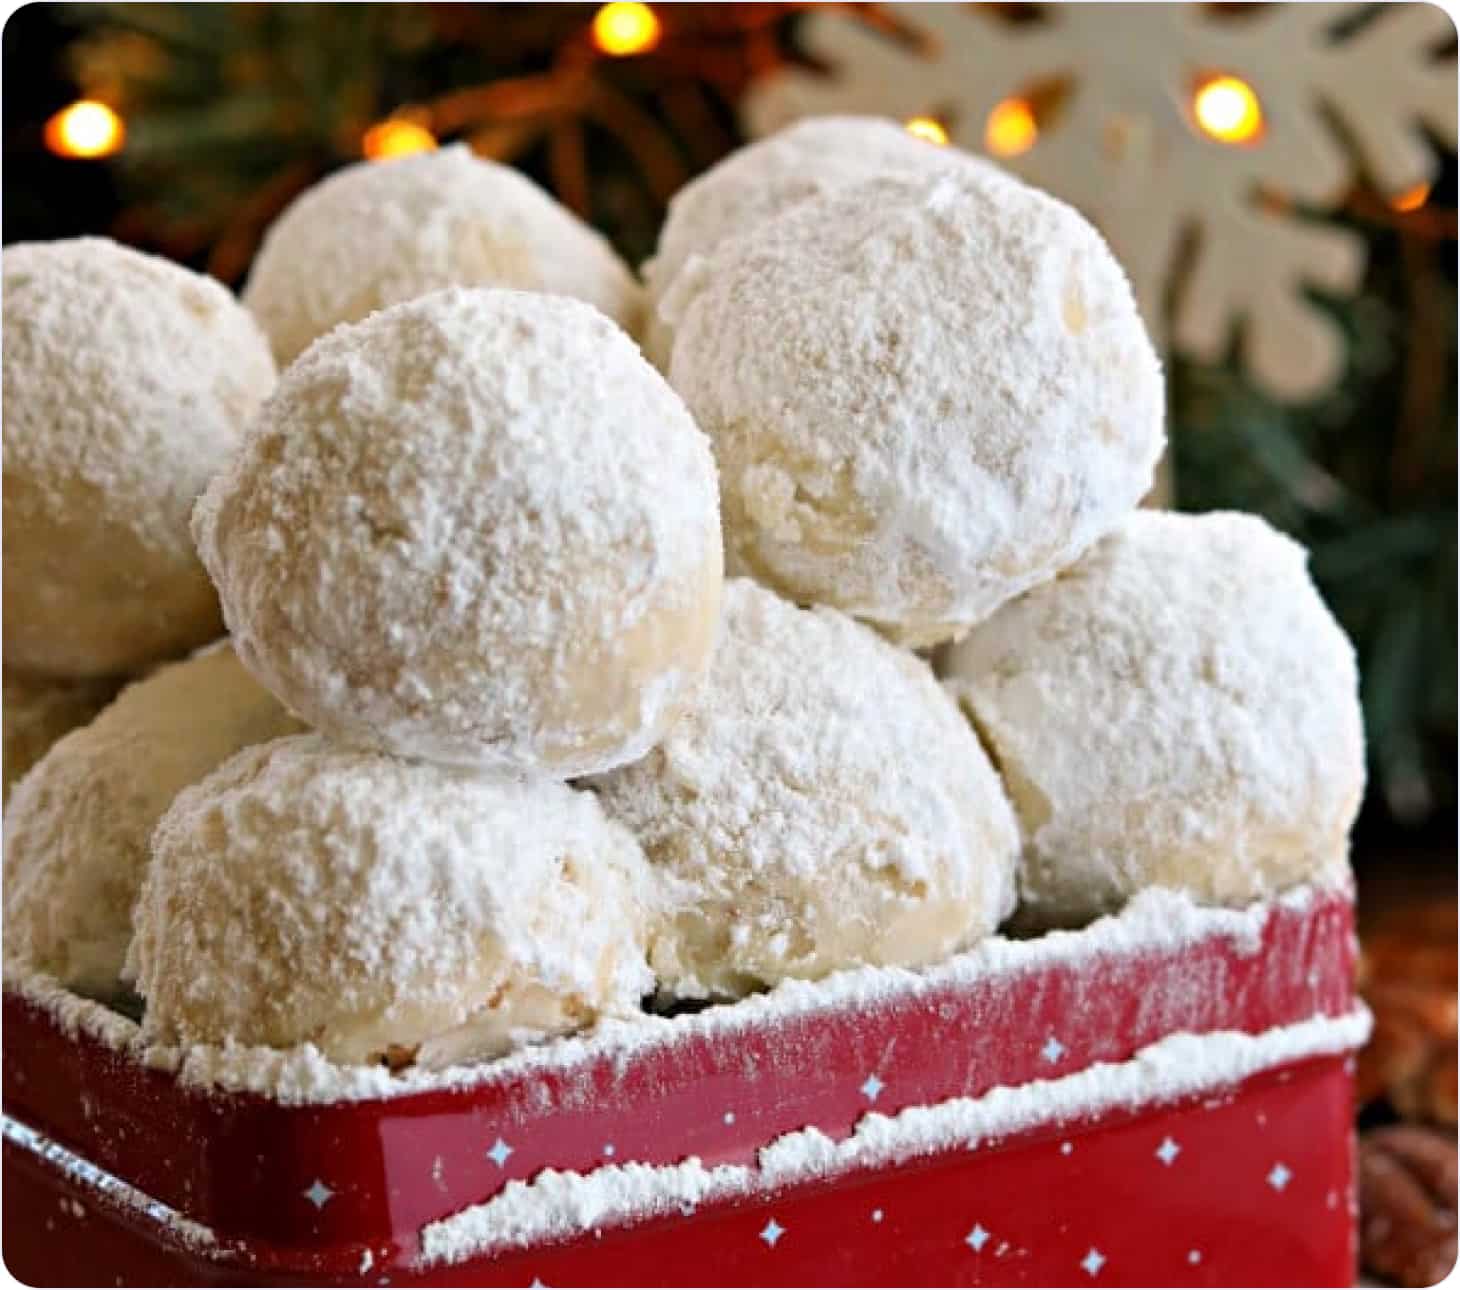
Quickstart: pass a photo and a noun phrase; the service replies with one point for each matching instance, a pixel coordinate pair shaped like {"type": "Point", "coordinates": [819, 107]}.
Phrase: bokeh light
{"type": "Point", "coordinates": [1227, 109]}
{"type": "Point", "coordinates": [926, 127]}
{"type": "Point", "coordinates": [622, 29]}
{"type": "Point", "coordinates": [86, 129]}
{"type": "Point", "coordinates": [1011, 128]}
{"type": "Point", "coordinates": [396, 138]}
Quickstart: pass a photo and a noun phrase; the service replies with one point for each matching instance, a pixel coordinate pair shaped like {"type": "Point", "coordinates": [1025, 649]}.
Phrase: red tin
{"type": "Point", "coordinates": [103, 1151]}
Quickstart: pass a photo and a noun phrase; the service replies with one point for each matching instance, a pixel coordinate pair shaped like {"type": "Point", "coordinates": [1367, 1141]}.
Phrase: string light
{"type": "Point", "coordinates": [396, 137]}
{"type": "Point", "coordinates": [1411, 199]}
{"type": "Point", "coordinates": [86, 129]}
{"type": "Point", "coordinates": [1227, 109]}
{"type": "Point", "coordinates": [926, 127]}
{"type": "Point", "coordinates": [622, 29]}
{"type": "Point", "coordinates": [1011, 128]}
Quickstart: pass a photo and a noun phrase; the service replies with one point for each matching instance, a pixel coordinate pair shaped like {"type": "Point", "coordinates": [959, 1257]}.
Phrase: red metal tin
{"type": "Point", "coordinates": [337, 1193]}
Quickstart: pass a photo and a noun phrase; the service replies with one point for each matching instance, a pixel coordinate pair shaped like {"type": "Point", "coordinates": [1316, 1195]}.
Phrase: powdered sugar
{"type": "Point", "coordinates": [557, 1205]}
{"type": "Point", "coordinates": [820, 804]}
{"type": "Point", "coordinates": [476, 528]}
{"type": "Point", "coordinates": [1154, 921]}
{"type": "Point", "coordinates": [78, 827]}
{"type": "Point", "coordinates": [304, 891]}
{"type": "Point", "coordinates": [814, 156]}
{"type": "Point", "coordinates": [128, 380]}
{"type": "Point", "coordinates": [1177, 709]}
{"type": "Point", "coordinates": [376, 234]}
{"type": "Point", "coordinates": [925, 395]}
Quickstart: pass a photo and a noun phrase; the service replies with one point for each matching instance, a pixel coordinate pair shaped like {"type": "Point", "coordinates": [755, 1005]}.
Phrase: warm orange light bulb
{"type": "Point", "coordinates": [396, 138]}
{"type": "Point", "coordinates": [85, 129]}
{"type": "Point", "coordinates": [1011, 128]}
{"type": "Point", "coordinates": [1227, 109]}
{"type": "Point", "coordinates": [1411, 199]}
{"type": "Point", "coordinates": [622, 29]}
{"type": "Point", "coordinates": [926, 127]}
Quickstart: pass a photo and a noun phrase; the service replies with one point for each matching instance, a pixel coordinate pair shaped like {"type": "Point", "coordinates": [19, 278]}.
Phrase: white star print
{"type": "Point", "coordinates": [1053, 1050]}
{"type": "Point", "coordinates": [1093, 1262]}
{"type": "Point", "coordinates": [977, 1238]}
{"type": "Point", "coordinates": [318, 1194]}
{"type": "Point", "coordinates": [1280, 1176]}
{"type": "Point", "coordinates": [609, 1148]}
{"type": "Point", "coordinates": [1193, 1257]}
{"type": "Point", "coordinates": [872, 1088]}
{"type": "Point", "coordinates": [499, 1153]}
{"type": "Point", "coordinates": [771, 1233]}
{"type": "Point", "coordinates": [729, 1117]}
{"type": "Point", "coordinates": [876, 1215]}
{"type": "Point", "coordinates": [1167, 1152]}
{"type": "Point", "coordinates": [1066, 1148]}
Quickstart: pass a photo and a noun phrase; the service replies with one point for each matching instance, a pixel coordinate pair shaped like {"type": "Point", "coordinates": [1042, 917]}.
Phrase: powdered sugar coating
{"type": "Point", "coordinates": [378, 233]}
{"type": "Point", "coordinates": [39, 710]}
{"type": "Point", "coordinates": [477, 528]}
{"type": "Point", "coordinates": [1179, 708]}
{"type": "Point", "coordinates": [820, 805]}
{"type": "Point", "coordinates": [128, 381]}
{"type": "Point", "coordinates": [78, 826]}
{"type": "Point", "coordinates": [814, 156]}
{"type": "Point", "coordinates": [925, 395]}
{"type": "Point", "coordinates": [309, 892]}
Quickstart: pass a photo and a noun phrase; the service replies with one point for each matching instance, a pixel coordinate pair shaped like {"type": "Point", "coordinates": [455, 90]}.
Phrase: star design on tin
{"type": "Point", "coordinates": [1167, 1152]}
{"type": "Point", "coordinates": [872, 1088]}
{"type": "Point", "coordinates": [499, 1153]}
{"type": "Point", "coordinates": [317, 1194]}
{"type": "Point", "coordinates": [1093, 1262]}
{"type": "Point", "coordinates": [977, 1238]}
{"type": "Point", "coordinates": [1052, 1051]}
{"type": "Point", "coordinates": [1280, 1176]}
{"type": "Point", "coordinates": [876, 1215]}
{"type": "Point", "coordinates": [771, 1233]}
{"type": "Point", "coordinates": [1193, 1257]}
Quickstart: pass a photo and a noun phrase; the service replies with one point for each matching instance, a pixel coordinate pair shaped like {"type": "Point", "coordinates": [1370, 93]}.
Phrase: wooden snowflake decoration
{"type": "Point", "coordinates": [1195, 139]}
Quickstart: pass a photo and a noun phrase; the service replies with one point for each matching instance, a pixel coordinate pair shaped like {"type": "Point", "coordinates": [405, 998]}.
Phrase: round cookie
{"type": "Point", "coordinates": [821, 804]}
{"type": "Point", "coordinates": [128, 381]}
{"type": "Point", "coordinates": [386, 910]}
{"type": "Point", "coordinates": [38, 711]}
{"type": "Point", "coordinates": [78, 826]}
{"type": "Point", "coordinates": [379, 233]}
{"type": "Point", "coordinates": [476, 528]}
{"type": "Point", "coordinates": [814, 156]}
{"type": "Point", "coordinates": [924, 395]}
{"type": "Point", "coordinates": [1179, 709]}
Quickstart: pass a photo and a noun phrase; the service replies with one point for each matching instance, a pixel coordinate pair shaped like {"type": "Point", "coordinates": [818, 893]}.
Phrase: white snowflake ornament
{"type": "Point", "coordinates": [1110, 95]}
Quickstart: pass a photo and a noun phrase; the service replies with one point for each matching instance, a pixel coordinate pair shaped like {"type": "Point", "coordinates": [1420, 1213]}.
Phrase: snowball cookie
{"type": "Point", "coordinates": [309, 893]}
{"type": "Point", "coordinates": [38, 711]}
{"type": "Point", "coordinates": [379, 233]}
{"type": "Point", "coordinates": [476, 528]}
{"type": "Point", "coordinates": [78, 825]}
{"type": "Point", "coordinates": [1178, 710]}
{"type": "Point", "coordinates": [925, 395]}
{"type": "Point", "coordinates": [127, 383]}
{"type": "Point", "coordinates": [822, 804]}
{"type": "Point", "coordinates": [817, 155]}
